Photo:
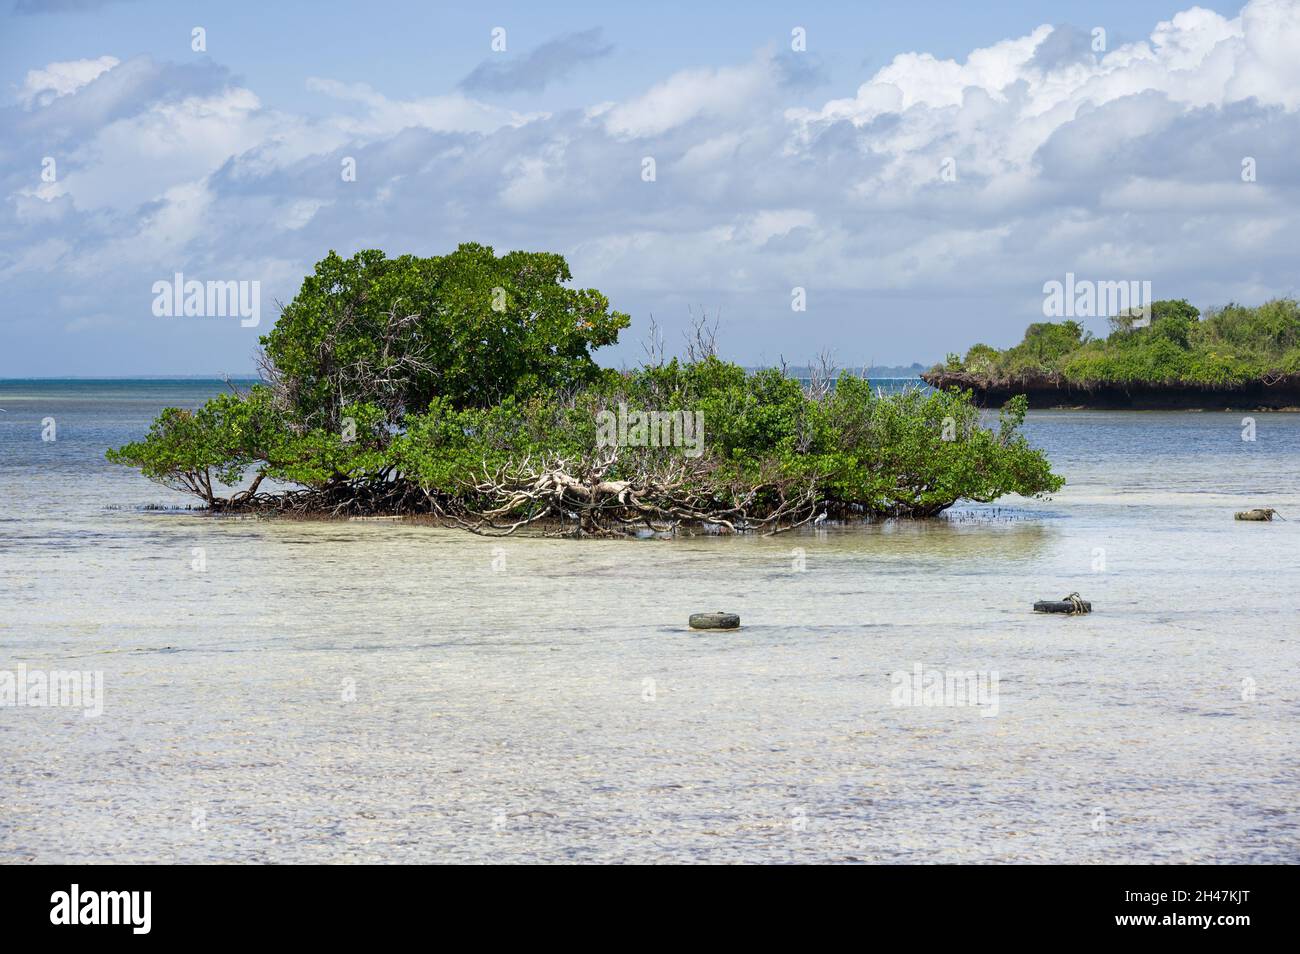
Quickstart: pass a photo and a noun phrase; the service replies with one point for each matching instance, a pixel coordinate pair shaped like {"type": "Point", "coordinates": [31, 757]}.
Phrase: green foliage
{"type": "Point", "coordinates": [913, 453]}
{"type": "Point", "coordinates": [1044, 345]}
{"type": "Point", "coordinates": [980, 359]}
{"type": "Point", "coordinates": [1228, 346]}
{"type": "Point", "coordinates": [400, 373]}
{"type": "Point", "coordinates": [469, 327]}
{"type": "Point", "coordinates": [918, 452]}
{"type": "Point", "coordinates": [198, 451]}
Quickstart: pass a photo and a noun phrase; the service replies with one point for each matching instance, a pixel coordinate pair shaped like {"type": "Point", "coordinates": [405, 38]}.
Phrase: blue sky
{"type": "Point", "coordinates": [776, 169]}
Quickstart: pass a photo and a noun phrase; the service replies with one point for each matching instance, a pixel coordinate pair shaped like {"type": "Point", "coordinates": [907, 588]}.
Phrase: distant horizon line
{"type": "Point", "coordinates": [251, 376]}
{"type": "Point", "coordinates": [122, 378]}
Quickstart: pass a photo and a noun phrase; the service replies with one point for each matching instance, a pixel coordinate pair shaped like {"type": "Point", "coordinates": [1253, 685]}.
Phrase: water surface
{"type": "Point", "coordinates": [371, 691]}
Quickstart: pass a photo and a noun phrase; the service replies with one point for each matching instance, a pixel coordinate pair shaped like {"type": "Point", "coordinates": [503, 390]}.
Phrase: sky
{"type": "Point", "coordinates": [884, 182]}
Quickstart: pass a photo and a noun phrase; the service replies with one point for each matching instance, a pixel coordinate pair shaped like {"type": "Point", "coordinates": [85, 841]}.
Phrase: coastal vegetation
{"type": "Point", "coordinates": [463, 387]}
{"type": "Point", "coordinates": [1233, 350]}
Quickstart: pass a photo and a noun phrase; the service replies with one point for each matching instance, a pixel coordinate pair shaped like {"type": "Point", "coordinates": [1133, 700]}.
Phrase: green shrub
{"type": "Point", "coordinates": [392, 385]}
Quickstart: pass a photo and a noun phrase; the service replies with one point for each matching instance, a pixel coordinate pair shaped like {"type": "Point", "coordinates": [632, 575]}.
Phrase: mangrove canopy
{"type": "Point", "coordinates": [463, 387]}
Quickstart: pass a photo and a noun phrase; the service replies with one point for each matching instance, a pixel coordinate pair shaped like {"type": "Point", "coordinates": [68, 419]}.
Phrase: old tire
{"type": "Point", "coordinates": [714, 621]}
{"type": "Point", "coordinates": [1260, 514]}
{"type": "Point", "coordinates": [1059, 606]}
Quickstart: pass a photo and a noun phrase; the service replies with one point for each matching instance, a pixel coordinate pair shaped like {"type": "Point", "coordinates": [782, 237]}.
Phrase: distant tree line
{"type": "Point", "coordinates": [1174, 344]}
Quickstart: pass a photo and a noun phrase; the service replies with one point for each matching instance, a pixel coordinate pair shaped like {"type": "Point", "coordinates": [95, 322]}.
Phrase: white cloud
{"type": "Point", "coordinates": [717, 152]}
{"type": "Point", "coordinates": [771, 223]}
{"type": "Point", "coordinates": [533, 179]}
{"type": "Point", "coordinates": [925, 80]}
{"type": "Point", "coordinates": [299, 213]}
{"type": "Point", "coordinates": [43, 86]}
{"type": "Point", "coordinates": [453, 112]}
{"type": "Point", "coordinates": [1002, 102]}
{"type": "Point", "coordinates": [137, 159]}
{"type": "Point", "coordinates": [1115, 165]}
{"type": "Point", "coordinates": [1269, 66]}
{"type": "Point", "coordinates": [687, 95]}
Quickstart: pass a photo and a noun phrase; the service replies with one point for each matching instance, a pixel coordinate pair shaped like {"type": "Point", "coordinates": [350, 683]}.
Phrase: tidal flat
{"type": "Point", "coordinates": [284, 691]}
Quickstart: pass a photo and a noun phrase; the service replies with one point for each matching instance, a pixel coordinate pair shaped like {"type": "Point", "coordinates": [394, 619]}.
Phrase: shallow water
{"type": "Point", "coordinates": [372, 691]}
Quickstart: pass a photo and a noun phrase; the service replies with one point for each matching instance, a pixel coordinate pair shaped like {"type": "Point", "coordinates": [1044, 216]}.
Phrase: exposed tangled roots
{"type": "Point", "coordinates": [352, 498]}
{"type": "Point", "coordinates": [578, 498]}
{"type": "Point", "coordinates": [565, 497]}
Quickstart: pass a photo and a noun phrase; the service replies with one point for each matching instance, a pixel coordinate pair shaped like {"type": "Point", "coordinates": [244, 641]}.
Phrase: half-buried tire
{"type": "Point", "coordinates": [715, 621]}
{"type": "Point", "coordinates": [1063, 606]}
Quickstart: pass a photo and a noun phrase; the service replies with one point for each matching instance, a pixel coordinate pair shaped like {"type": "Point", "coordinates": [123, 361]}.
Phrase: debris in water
{"type": "Point", "coordinates": [1259, 513]}
{"type": "Point", "coordinates": [1072, 605]}
{"type": "Point", "coordinates": [717, 620]}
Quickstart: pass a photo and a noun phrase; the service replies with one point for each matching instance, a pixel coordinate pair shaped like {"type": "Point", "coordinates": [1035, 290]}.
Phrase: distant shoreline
{"type": "Point", "coordinates": [1047, 391]}
{"type": "Point", "coordinates": [118, 379]}
{"type": "Point", "coordinates": [885, 373]}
